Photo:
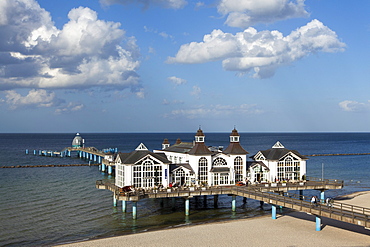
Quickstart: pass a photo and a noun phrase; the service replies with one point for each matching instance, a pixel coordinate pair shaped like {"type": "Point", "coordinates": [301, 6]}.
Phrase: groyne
{"type": "Point", "coordinates": [337, 154]}
{"type": "Point", "coordinates": [35, 166]}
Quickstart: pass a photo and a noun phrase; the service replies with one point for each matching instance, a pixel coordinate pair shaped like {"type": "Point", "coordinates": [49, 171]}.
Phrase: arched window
{"type": "Point", "coordinates": [238, 167]}
{"type": "Point", "coordinates": [147, 174]}
{"type": "Point", "coordinates": [288, 169]}
{"type": "Point", "coordinates": [219, 162]}
{"type": "Point", "coordinates": [203, 170]}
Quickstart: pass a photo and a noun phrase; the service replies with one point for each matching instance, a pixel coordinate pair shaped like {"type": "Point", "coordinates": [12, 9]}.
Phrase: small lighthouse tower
{"type": "Point", "coordinates": [78, 142]}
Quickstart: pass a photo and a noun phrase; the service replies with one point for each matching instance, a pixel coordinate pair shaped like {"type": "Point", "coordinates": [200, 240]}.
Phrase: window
{"type": "Point", "coordinates": [181, 178]}
{"type": "Point", "coordinates": [238, 167]}
{"type": "Point", "coordinates": [203, 170]}
{"type": "Point", "coordinates": [219, 162]}
{"type": "Point", "coordinates": [120, 175]}
{"type": "Point", "coordinates": [289, 168]}
{"type": "Point", "coordinates": [147, 174]}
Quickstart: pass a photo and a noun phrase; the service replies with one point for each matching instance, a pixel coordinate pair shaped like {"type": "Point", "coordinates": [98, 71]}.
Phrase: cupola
{"type": "Point", "coordinates": [165, 144]}
{"type": "Point", "coordinates": [234, 137]}
{"type": "Point", "coordinates": [199, 137]}
{"type": "Point", "coordinates": [78, 141]}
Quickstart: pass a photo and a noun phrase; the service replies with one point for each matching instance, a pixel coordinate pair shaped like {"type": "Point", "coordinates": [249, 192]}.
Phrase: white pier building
{"type": "Point", "coordinates": [194, 163]}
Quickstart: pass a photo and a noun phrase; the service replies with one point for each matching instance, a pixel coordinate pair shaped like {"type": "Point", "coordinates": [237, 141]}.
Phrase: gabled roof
{"type": "Point", "coordinates": [277, 152]}
{"type": "Point", "coordinates": [133, 157]}
{"type": "Point", "coordinates": [174, 167]}
{"type": "Point", "coordinates": [251, 164]}
{"type": "Point", "coordinates": [235, 148]}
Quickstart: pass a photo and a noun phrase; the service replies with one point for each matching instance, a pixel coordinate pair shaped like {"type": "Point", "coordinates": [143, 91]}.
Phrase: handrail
{"type": "Point", "coordinates": [340, 211]}
{"type": "Point", "coordinates": [342, 208]}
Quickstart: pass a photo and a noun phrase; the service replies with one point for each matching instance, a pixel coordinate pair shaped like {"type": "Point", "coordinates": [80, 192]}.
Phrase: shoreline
{"type": "Point", "coordinates": [292, 228]}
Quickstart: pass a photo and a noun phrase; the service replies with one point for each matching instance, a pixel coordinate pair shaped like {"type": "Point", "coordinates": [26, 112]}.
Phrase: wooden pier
{"type": "Point", "coordinates": [274, 194]}
{"type": "Point", "coordinates": [93, 155]}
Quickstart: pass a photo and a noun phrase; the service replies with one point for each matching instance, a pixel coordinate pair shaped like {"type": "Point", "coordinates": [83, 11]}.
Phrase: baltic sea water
{"type": "Point", "coordinates": [53, 205]}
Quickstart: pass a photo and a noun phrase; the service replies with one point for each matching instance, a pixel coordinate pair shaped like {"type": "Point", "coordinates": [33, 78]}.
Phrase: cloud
{"type": "Point", "coordinates": [196, 91]}
{"type": "Point", "coordinates": [354, 106]}
{"type": "Point", "coordinates": [263, 52]}
{"type": "Point", "coordinates": [162, 34]}
{"type": "Point", "coordinates": [177, 81]}
{"type": "Point", "coordinates": [215, 111]}
{"type": "Point", "coordinates": [70, 107]}
{"type": "Point", "coordinates": [173, 102]}
{"type": "Point", "coordinates": [245, 13]}
{"type": "Point", "coordinates": [38, 98]}
{"type": "Point", "coordinates": [168, 4]}
{"type": "Point", "coordinates": [85, 53]}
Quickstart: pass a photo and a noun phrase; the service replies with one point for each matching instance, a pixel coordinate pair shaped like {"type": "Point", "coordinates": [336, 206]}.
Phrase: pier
{"type": "Point", "coordinates": [275, 194]}
{"type": "Point", "coordinates": [102, 158]}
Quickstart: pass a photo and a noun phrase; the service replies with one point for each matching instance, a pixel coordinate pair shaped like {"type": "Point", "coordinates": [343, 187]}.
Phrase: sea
{"type": "Point", "coordinates": [47, 206]}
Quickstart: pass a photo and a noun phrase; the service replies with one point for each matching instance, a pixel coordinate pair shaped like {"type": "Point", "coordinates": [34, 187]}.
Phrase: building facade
{"type": "Point", "coordinates": [194, 163]}
{"type": "Point", "coordinates": [277, 164]}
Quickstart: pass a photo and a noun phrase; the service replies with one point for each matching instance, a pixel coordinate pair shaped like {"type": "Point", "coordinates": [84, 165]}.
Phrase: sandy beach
{"type": "Point", "coordinates": [291, 229]}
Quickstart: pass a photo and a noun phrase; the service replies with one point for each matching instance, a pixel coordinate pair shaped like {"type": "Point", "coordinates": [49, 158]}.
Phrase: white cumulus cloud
{"type": "Point", "coordinates": [38, 98]}
{"type": "Point", "coordinates": [263, 52]}
{"type": "Point", "coordinates": [86, 52]}
{"type": "Point", "coordinates": [245, 13]}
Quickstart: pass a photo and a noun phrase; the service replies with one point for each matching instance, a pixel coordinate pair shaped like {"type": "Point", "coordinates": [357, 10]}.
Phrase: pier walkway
{"type": "Point", "coordinates": [274, 194]}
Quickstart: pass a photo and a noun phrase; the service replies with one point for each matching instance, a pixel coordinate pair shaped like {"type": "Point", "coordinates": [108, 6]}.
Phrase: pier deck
{"type": "Point", "coordinates": [269, 193]}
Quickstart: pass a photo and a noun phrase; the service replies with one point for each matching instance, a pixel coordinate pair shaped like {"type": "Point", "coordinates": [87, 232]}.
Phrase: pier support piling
{"type": "Point", "coordinates": [187, 206]}
{"type": "Point", "coordinates": [124, 206]}
{"type": "Point", "coordinates": [233, 203]}
{"type": "Point", "coordinates": [134, 210]}
{"type": "Point", "coordinates": [110, 170]}
{"type": "Point", "coordinates": [273, 212]}
{"type": "Point", "coordinates": [114, 200]}
{"type": "Point", "coordinates": [318, 223]}
{"type": "Point", "coordinates": [322, 196]}
{"type": "Point", "coordinates": [215, 201]}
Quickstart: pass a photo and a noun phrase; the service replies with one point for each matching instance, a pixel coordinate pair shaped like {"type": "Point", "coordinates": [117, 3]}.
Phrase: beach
{"type": "Point", "coordinates": [290, 229]}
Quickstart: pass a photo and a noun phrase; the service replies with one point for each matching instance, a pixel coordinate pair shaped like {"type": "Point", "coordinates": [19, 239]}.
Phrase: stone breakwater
{"type": "Point", "coordinates": [35, 166]}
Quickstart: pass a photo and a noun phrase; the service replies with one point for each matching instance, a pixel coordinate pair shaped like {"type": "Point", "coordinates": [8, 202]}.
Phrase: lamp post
{"type": "Point", "coordinates": [322, 172]}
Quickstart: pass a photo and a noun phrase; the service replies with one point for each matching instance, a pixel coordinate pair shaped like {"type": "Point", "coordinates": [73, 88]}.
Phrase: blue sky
{"type": "Point", "coordinates": [175, 65]}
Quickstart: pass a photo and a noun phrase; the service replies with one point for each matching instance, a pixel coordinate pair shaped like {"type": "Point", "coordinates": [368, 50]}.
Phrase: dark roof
{"type": "Point", "coordinates": [235, 148]}
{"type": "Point", "coordinates": [200, 149]}
{"type": "Point", "coordinates": [182, 147]}
{"type": "Point", "coordinates": [220, 169]}
{"type": "Point", "coordinates": [133, 157]}
{"type": "Point", "coordinates": [165, 141]}
{"type": "Point", "coordinates": [199, 133]}
{"type": "Point", "coordinates": [234, 132]}
{"type": "Point", "coordinates": [278, 153]}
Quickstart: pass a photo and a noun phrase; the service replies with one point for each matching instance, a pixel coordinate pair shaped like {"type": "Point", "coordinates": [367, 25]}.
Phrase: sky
{"type": "Point", "coordinates": [177, 65]}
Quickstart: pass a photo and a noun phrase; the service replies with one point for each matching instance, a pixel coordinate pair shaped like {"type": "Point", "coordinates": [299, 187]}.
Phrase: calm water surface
{"type": "Point", "coordinates": [47, 206]}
